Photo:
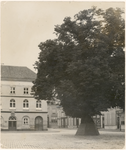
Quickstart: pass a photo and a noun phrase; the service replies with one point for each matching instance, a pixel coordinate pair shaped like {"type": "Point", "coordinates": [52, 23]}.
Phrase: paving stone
{"type": "Point", "coordinates": [61, 139]}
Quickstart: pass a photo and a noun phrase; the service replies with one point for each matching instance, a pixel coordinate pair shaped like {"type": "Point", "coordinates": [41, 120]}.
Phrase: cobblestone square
{"type": "Point", "coordinates": [61, 139]}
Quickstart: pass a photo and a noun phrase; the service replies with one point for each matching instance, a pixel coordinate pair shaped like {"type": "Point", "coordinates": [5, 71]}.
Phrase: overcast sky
{"type": "Point", "coordinates": [25, 24]}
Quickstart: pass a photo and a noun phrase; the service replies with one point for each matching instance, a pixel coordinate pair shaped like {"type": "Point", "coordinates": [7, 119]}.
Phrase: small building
{"type": "Point", "coordinates": [67, 121]}
{"type": "Point", "coordinates": [19, 109]}
{"type": "Point", "coordinates": [58, 119]}
{"type": "Point", "coordinates": [52, 115]}
{"type": "Point", "coordinates": [114, 118]}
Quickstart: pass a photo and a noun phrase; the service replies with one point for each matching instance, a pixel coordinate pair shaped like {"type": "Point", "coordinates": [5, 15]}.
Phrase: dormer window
{"type": "Point", "coordinates": [25, 90]}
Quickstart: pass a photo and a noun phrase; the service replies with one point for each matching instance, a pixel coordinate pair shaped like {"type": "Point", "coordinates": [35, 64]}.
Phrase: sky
{"type": "Point", "coordinates": [25, 24]}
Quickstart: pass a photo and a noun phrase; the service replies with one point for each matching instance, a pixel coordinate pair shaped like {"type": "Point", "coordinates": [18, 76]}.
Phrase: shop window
{"type": "Point", "coordinates": [12, 103]}
{"type": "Point", "coordinates": [25, 103]}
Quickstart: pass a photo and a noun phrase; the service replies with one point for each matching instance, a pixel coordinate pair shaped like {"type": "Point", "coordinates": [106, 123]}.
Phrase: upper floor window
{"type": "Point", "coordinates": [38, 104]}
{"type": "Point", "coordinates": [25, 90]}
{"type": "Point", "coordinates": [12, 90]}
{"type": "Point", "coordinates": [25, 103]}
{"type": "Point", "coordinates": [12, 103]}
{"type": "Point", "coordinates": [32, 91]}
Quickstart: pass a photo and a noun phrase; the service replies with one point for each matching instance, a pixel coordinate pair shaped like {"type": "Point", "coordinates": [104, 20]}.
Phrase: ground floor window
{"type": "Point", "coordinates": [53, 119]}
{"type": "Point", "coordinates": [26, 121]}
{"type": "Point", "coordinates": [2, 121]}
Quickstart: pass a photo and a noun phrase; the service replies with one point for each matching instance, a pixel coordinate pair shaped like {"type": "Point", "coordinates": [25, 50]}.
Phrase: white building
{"type": "Point", "coordinates": [19, 109]}
{"type": "Point", "coordinates": [114, 118]}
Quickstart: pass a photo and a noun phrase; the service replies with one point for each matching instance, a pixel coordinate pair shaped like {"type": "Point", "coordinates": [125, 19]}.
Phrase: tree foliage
{"type": "Point", "coordinates": [84, 65]}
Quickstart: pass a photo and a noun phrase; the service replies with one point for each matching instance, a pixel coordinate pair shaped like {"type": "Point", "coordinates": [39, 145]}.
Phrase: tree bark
{"type": "Point", "coordinates": [87, 126]}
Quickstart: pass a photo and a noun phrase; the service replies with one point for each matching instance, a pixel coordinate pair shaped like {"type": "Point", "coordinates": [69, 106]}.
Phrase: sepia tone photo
{"type": "Point", "coordinates": [62, 75]}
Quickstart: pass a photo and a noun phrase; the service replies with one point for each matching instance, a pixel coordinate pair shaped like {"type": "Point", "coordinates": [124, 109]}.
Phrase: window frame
{"type": "Point", "coordinates": [12, 90]}
{"type": "Point", "coordinates": [12, 103]}
{"type": "Point", "coordinates": [25, 121]}
{"type": "Point", "coordinates": [38, 104]}
{"type": "Point", "coordinates": [26, 91]}
{"type": "Point", "coordinates": [25, 104]}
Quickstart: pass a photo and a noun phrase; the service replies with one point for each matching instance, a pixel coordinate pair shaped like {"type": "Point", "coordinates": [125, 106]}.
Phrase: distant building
{"type": "Point", "coordinates": [112, 119]}
{"type": "Point", "coordinates": [58, 119]}
{"type": "Point", "coordinates": [52, 115]}
{"type": "Point", "coordinates": [19, 110]}
{"type": "Point", "coordinates": [67, 121]}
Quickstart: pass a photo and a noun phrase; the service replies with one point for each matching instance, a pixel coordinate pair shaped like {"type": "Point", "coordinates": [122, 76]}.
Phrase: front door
{"type": "Point", "coordinates": [38, 123]}
{"type": "Point", "coordinates": [12, 123]}
{"type": "Point", "coordinates": [118, 120]}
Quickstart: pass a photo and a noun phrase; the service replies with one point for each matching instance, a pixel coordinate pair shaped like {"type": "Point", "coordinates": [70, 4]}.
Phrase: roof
{"type": "Point", "coordinates": [17, 73]}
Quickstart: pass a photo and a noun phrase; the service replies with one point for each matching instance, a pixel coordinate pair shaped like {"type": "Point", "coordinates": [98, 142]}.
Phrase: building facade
{"type": "Point", "coordinates": [58, 119]}
{"type": "Point", "coordinates": [66, 121]}
{"type": "Point", "coordinates": [114, 118]}
{"type": "Point", "coordinates": [52, 115]}
{"type": "Point", "coordinates": [19, 109]}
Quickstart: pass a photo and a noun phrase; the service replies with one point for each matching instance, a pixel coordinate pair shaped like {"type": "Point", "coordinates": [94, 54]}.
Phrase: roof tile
{"type": "Point", "coordinates": [17, 73]}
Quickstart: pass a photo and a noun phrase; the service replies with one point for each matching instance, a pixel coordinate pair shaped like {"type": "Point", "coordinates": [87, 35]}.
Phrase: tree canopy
{"type": "Point", "coordinates": [84, 65]}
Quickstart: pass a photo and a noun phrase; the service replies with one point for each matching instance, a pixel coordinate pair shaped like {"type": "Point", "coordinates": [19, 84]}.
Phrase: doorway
{"type": "Point", "coordinates": [38, 123]}
{"type": "Point", "coordinates": [12, 123]}
{"type": "Point", "coordinates": [118, 122]}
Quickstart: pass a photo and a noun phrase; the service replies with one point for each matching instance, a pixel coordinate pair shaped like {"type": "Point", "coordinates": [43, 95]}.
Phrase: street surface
{"type": "Point", "coordinates": [61, 139]}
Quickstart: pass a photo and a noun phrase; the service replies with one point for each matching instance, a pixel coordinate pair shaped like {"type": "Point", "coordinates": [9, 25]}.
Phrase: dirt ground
{"type": "Point", "coordinates": [61, 139]}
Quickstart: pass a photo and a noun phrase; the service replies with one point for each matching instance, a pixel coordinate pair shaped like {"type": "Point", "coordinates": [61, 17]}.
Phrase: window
{"type": "Point", "coordinates": [12, 90]}
{"type": "Point", "coordinates": [12, 103]}
{"type": "Point", "coordinates": [53, 119]}
{"type": "Point", "coordinates": [25, 103]}
{"type": "Point", "coordinates": [25, 121]}
{"type": "Point", "coordinates": [38, 104]}
{"type": "Point", "coordinates": [32, 91]}
{"type": "Point", "coordinates": [25, 90]}
{"type": "Point", "coordinates": [122, 122]}
{"type": "Point", "coordinates": [12, 118]}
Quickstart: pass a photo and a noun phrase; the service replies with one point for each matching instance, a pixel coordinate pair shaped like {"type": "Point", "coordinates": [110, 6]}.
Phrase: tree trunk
{"type": "Point", "coordinates": [87, 126]}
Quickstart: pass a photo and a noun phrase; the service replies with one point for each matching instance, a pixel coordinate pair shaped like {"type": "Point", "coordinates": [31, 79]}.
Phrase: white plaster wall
{"type": "Point", "coordinates": [19, 88]}
{"type": "Point", "coordinates": [110, 117]}
{"type": "Point", "coordinates": [19, 104]}
{"type": "Point", "coordinates": [19, 120]}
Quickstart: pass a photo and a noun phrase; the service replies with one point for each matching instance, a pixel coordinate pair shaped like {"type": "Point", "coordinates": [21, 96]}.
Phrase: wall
{"type": "Point", "coordinates": [19, 104]}
{"type": "Point", "coordinates": [112, 120]}
{"type": "Point", "coordinates": [19, 120]}
{"type": "Point", "coordinates": [32, 112]}
{"type": "Point", "coordinates": [5, 88]}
